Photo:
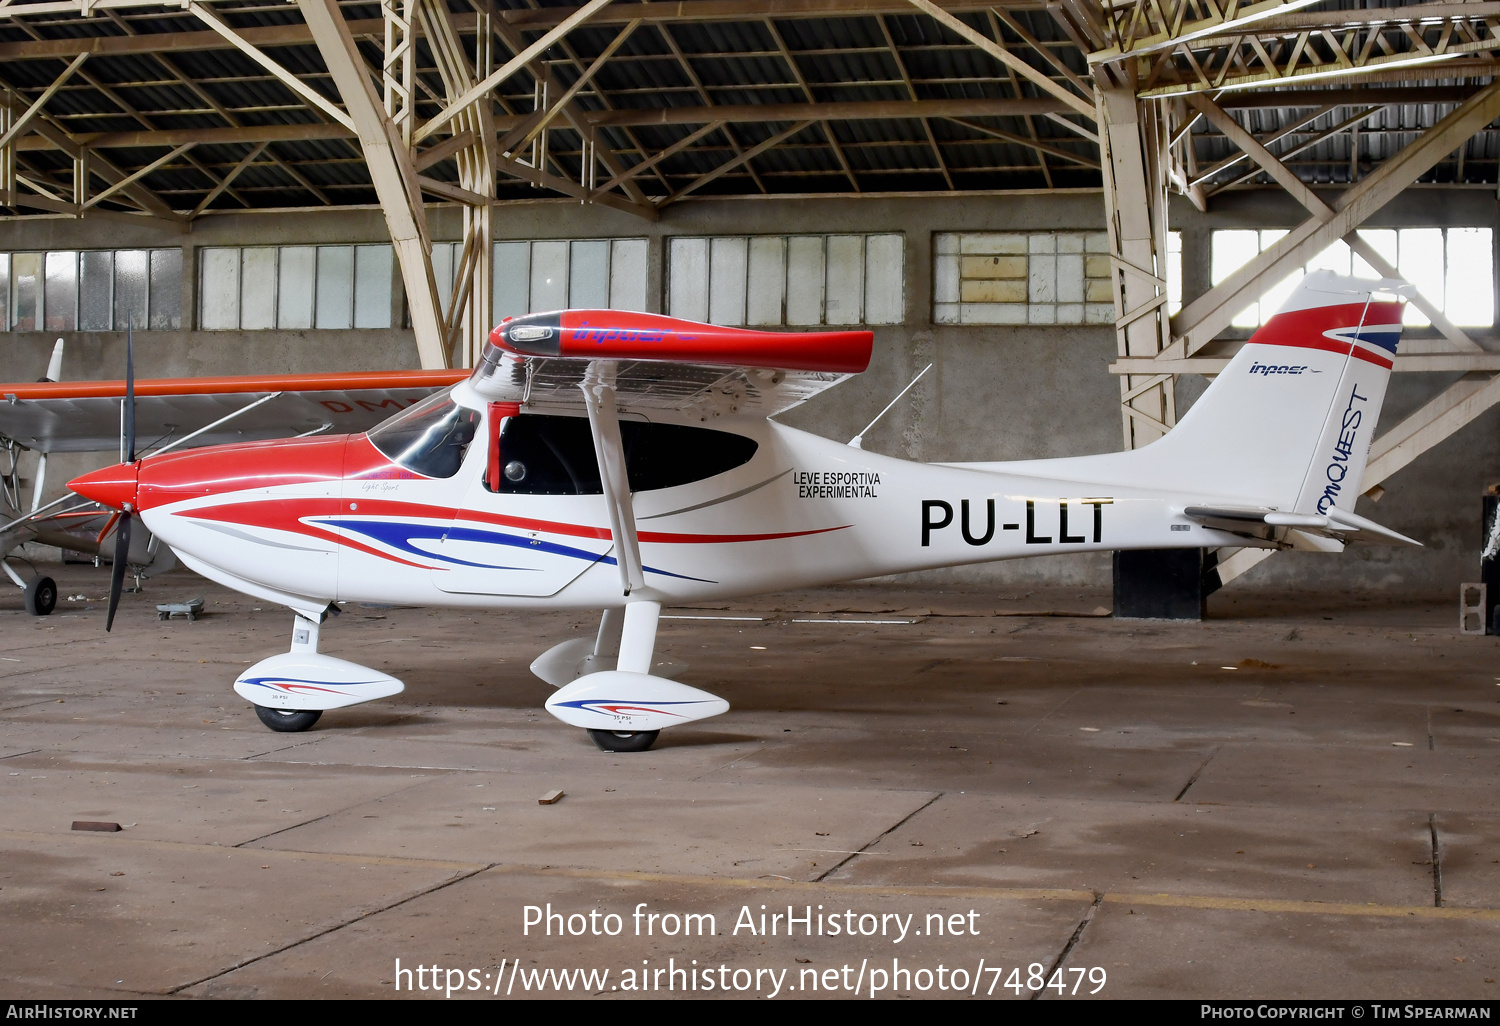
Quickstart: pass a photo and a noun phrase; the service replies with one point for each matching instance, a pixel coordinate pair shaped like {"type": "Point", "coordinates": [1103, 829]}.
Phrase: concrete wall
{"type": "Point", "coordinates": [995, 392]}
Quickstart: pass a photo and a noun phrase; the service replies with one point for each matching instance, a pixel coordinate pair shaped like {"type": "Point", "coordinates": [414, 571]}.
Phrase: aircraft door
{"type": "Point", "coordinates": [521, 528]}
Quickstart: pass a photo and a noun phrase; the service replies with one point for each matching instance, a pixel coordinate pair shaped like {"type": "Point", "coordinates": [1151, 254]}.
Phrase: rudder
{"type": "Point", "coordinates": [1290, 420]}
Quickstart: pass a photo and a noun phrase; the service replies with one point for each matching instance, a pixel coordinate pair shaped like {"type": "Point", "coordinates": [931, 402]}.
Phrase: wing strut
{"type": "Point", "coordinates": [598, 387]}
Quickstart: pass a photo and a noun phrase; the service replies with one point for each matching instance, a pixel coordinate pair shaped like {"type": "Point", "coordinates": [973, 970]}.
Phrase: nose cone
{"type": "Point", "coordinates": [113, 486]}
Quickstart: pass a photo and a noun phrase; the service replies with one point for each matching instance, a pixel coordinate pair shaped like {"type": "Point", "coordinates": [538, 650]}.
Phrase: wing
{"type": "Point", "coordinates": [663, 363]}
{"type": "Point", "coordinates": [84, 416]}
{"type": "Point", "coordinates": [606, 363]}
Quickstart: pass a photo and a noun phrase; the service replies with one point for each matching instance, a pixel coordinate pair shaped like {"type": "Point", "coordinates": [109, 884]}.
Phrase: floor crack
{"type": "Point", "coordinates": [1196, 774]}
{"type": "Point", "coordinates": [335, 812]}
{"type": "Point", "coordinates": [332, 929]}
{"type": "Point", "coordinates": [877, 838]}
{"type": "Point", "coordinates": [1437, 862]}
{"type": "Point", "coordinates": [1088, 917]}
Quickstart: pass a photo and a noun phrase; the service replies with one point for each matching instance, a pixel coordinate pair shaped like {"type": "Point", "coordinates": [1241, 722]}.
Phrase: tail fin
{"type": "Point", "coordinates": [1289, 422]}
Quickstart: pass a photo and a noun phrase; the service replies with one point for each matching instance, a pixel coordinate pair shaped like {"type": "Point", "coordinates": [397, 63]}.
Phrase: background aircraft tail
{"type": "Point", "coordinates": [1289, 422]}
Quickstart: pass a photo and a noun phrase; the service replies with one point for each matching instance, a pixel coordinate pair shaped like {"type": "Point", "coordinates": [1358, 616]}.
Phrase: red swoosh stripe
{"type": "Point", "coordinates": [282, 515]}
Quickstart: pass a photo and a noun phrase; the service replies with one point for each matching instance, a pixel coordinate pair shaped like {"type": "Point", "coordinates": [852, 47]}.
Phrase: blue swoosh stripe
{"type": "Point", "coordinates": [261, 682]}
{"type": "Point", "coordinates": [1384, 336]}
{"type": "Point", "coordinates": [399, 535]}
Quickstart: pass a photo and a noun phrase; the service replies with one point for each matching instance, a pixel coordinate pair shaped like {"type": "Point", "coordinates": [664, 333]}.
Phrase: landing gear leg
{"type": "Point", "coordinates": [607, 644]}
{"type": "Point", "coordinates": [635, 640]}
{"type": "Point", "coordinates": [288, 721]}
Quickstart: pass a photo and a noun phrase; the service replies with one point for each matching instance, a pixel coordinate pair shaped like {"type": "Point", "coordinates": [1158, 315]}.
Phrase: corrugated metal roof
{"type": "Point", "coordinates": [889, 57]}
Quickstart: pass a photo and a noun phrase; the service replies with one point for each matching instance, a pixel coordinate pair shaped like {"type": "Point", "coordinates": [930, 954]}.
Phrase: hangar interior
{"type": "Point", "coordinates": [1076, 211]}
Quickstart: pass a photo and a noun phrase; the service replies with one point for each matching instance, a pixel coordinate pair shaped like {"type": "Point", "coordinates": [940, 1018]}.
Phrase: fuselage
{"type": "Point", "coordinates": [746, 507]}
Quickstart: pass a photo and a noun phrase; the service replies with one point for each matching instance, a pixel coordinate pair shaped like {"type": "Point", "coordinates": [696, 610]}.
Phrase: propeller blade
{"type": "Point", "coordinates": [129, 439]}
{"type": "Point", "coordinates": [117, 572]}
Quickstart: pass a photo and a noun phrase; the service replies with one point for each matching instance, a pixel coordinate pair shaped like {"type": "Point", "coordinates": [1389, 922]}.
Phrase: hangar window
{"type": "Point", "coordinates": [93, 290]}
{"type": "Point", "coordinates": [788, 279]}
{"type": "Point", "coordinates": [1452, 267]}
{"type": "Point", "coordinates": [542, 455]}
{"type": "Point", "coordinates": [257, 287]}
{"type": "Point", "coordinates": [555, 274]}
{"type": "Point", "coordinates": [1032, 277]}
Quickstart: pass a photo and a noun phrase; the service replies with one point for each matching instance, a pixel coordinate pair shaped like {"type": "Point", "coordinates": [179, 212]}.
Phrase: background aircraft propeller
{"type": "Point", "coordinates": [127, 455]}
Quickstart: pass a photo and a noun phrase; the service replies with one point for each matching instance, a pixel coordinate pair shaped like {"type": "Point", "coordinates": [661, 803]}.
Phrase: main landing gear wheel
{"type": "Point", "coordinates": [287, 721]}
{"type": "Point", "coordinates": [621, 740]}
{"type": "Point", "coordinates": [41, 596]}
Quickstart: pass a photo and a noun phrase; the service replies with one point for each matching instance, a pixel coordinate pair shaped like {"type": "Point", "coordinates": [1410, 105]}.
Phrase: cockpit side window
{"type": "Point", "coordinates": [429, 438]}
{"type": "Point", "coordinates": [542, 455]}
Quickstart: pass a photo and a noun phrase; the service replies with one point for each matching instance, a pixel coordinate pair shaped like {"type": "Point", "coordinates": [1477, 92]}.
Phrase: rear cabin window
{"type": "Point", "coordinates": [541, 455]}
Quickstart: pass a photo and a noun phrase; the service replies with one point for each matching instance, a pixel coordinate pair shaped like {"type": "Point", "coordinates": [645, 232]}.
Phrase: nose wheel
{"type": "Point", "coordinates": [623, 740]}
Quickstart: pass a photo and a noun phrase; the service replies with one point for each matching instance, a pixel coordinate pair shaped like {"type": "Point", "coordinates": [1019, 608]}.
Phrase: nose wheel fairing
{"type": "Point", "coordinates": [305, 680]}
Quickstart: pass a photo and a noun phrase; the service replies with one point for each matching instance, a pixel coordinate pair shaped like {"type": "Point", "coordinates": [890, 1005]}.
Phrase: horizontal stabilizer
{"type": "Point", "coordinates": [1338, 524]}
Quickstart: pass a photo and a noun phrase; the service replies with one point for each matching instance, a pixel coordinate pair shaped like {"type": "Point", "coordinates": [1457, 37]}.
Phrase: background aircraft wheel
{"type": "Point", "coordinates": [41, 596]}
{"type": "Point", "coordinates": [623, 740]}
{"type": "Point", "coordinates": [287, 721]}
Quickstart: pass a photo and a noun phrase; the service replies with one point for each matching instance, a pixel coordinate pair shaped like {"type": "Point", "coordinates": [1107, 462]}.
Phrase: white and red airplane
{"type": "Point", "coordinates": [618, 461]}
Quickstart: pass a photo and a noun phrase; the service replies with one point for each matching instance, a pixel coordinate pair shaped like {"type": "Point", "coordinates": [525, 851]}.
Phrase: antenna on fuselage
{"type": "Point", "coordinates": [858, 441]}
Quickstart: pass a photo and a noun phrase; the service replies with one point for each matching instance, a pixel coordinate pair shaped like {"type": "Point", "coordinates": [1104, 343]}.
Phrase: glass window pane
{"type": "Point", "coordinates": [96, 290]}
{"type": "Point", "coordinates": [1471, 284]}
{"type": "Point", "coordinates": [687, 290]}
{"type": "Point", "coordinates": [1420, 261]}
{"type": "Point", "coordinates": [1174, 272]}
{"type": "Point", "coordinates": [1335, 258]}
{"type": "Point", "coordinates": [4, 291]}
{"type": "Point", "coordinates": [588, 275]}
{"type": "Point", "coordinates": [1231, 251]}
{"type": "Point", "coordinates": [1383, 241]}
{"type": "Point", "coordinates": [549, 275]}
{"type": "Point", "coordinates": [131, 267]}
{"type": "Point", "coordinates": [27, 270]}
{"type": "Point", "coordinates": [61, 300]}
{"type": "Point", "coordinates": [512, 279]}
{"type": "Point", "coordinates": [627, 274]}
{"type": "Point", "coordinates": [294, 287]}
{"type": "Point", "coordinates": [335, 287]}
{"type": "Point", "coordinates": [804, 279]}
{"type": "Point", "coordinates": [219, 289]}
{"type": "Point", "coordinates": [885, 292]}
{"type": "Point", "coordinates": [1278, 294]}
{"type": "Point", "coordinates": [766, 291]}
{"type": "Point", "coordinates": [726, 280]}
{"type": "Point", "coordinates": [258, 287]}
{"type": "Point", "coordinates": [373, 267]}
{"type": "Point", "coordinates": [846, 273]}
{"type": "Point", "coordinates": [165, 292]}
{"type": "Point", "coordinates": [442, 273]}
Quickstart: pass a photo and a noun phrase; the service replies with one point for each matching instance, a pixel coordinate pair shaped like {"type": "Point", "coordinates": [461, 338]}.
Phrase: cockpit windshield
{"type": "Point", "coordinates": [429, 438]}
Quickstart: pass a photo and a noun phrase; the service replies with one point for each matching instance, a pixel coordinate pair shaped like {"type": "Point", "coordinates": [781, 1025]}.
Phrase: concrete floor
{"type": "Point", "coordinates": [1247, 807]}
